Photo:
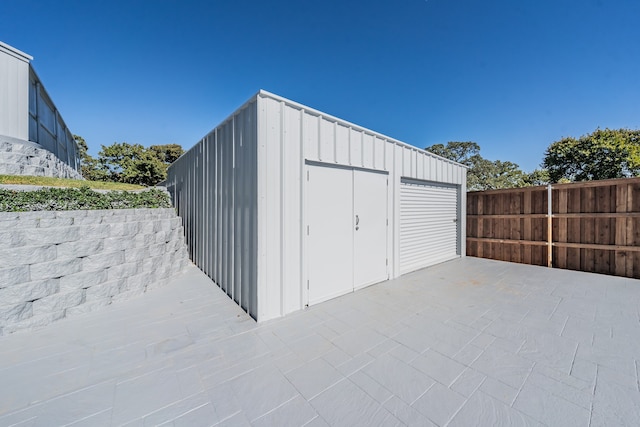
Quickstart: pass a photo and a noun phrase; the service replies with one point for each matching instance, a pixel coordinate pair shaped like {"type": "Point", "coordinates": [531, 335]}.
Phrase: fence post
{"type": "Point", "coordinates": [549, 228]}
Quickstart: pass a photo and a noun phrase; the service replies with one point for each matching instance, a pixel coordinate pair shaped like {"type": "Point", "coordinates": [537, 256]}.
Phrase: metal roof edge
{"type": "Point", "coordinates": [267, 94]}
{"type": "Point", "coordinates": [10, 50]}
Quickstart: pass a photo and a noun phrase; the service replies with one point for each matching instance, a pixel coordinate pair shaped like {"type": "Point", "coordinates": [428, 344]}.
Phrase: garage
{"type": "Point", "coordinates": [428, 223]}
{"type": "Point", "coordinates": [285, 206]}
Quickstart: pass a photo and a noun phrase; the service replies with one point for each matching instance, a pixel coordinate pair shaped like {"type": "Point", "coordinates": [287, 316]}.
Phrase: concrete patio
{"type": "Point", "coordinates": [467, 342]}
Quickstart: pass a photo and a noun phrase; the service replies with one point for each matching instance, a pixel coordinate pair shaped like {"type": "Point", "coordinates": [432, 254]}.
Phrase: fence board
{"type": "Point", "coordinates": [595, 226]}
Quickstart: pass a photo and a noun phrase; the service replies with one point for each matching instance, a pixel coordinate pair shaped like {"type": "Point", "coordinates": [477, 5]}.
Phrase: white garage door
{"type": "Point", "coordinates": [428, 224]}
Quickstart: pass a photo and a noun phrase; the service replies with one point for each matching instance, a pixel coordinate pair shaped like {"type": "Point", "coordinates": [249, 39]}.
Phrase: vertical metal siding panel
{"type": "Point", "coordinates": [239, 205]}
{"type": "Point", "coordinates": [187, 196]}
{"type": "Point", "coordinates": [283, 214]}
{"type": "Point", "coordinates": [368, 151]}
{"type": "Point", "coordinates": [228, 206]}
{"type": "Point", "coordinates": [188, 212]}
{"type": "Point", "coordinates": [253, 169]}
{"type": "Point", "coordinates": [211, 189]}
{"type": "Point", "coordinates": [356, 148]}
{"type": "Point", "coordinates": [292, 220]}
{"type": "Point", "coordinates": [192, 201]}
{"type": "Point", "coordinates": [224, 170]}
{"type": "Point", "coordinates": [304, 293]}
{"type": "Point", "coordinates": [14, 97]}
{"type": "Point", "coordinates": [219, 161]}
{"type": "Point", "coordinates": [433, 173]}
{"type": "Point", "coordinates": [342, 144]}
{"type": "Point", "coordinates": [238, 202]}
{"type": "Point", "coordinates": [393, 160]}
{"type": "Point", "coordinates": [327, 141]}
{"type": "Point", "coordinates": [245, 226]}
{"type": "Point", "coordinates": [272, 306]}
{"type": "Point", "coordinates": [261, 162]}
{"type": "Point", "coordinates": [378, 151]}
{"type": "Point", "coordinates": [232, 208]}
{"type": "Point", "coordinates": [311, 136]}
{"type": "Point", "coordinates": [204, 212]}
{"type": "Point", "coordinates": [183, 201]}
{"type": "Point", "coordinates": [206, 218]}
{"type": "Point", "coordinates": [414, 162]}
{"type": "Point", "coordinates": [198, 202]}
{"type": "Point", "coordinates": [214, 204]}
{"type": "Point", "coordinates": [224, 204]}
{"type": "Point", "coordinates": [406, 161]}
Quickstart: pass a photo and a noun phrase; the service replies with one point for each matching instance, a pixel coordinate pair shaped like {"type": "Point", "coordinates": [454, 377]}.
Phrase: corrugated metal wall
{"type": "Point", "coordinates": [46, 126]}
{"type": "Point", "coordinates": [290, 134]}
{"type": "Point", "coordinates": [214, 189]}
{"type": "Point", "coordinates": [14, 92]}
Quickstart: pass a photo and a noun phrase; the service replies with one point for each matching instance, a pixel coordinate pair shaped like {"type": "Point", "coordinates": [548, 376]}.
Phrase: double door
{"type": "Point", "coordinates": [346, 211]}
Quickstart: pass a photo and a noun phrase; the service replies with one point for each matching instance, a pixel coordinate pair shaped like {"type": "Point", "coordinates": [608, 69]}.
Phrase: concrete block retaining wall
{"type": "Point", "coordinates": [59, 264]}
{"type": "Point", "coordinates": [19, 157]}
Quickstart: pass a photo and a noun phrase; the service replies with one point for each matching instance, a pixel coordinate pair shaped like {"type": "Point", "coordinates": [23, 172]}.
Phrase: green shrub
{"type": "Point", "coordinates": [66, 199]}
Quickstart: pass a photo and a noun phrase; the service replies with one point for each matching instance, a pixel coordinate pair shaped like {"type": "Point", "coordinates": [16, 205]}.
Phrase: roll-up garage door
{"type": "Point", "coordinates": [428, 223]}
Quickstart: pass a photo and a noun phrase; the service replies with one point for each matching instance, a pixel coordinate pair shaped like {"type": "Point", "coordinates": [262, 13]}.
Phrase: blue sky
{"type": "Point", "coordinates": [511, 75]}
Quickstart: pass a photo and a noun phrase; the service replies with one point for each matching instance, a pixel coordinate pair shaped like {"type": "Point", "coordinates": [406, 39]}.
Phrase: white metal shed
{"type": "Point", "coordinates": [285, 206]}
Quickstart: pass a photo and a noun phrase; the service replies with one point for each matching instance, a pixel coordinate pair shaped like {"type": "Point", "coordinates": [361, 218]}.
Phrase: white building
{"type": "Point", "coordinates": [285, 206]}
{"type": "Point", "coordinates": [34, 139]}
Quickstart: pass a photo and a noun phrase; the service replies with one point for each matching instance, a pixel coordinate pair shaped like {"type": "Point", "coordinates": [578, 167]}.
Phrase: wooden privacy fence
{"type": "Point", "coordinates": [589, 226]}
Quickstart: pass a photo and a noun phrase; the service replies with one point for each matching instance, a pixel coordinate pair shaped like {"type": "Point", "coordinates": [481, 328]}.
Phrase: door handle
{"type": "Point", "coordinates": [357, 222]}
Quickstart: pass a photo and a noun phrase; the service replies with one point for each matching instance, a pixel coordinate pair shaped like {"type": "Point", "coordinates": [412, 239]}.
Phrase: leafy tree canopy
{"type": "Point", "coordinates": [128, 163]}
{"type": "Point", "coordinates": [538, 177]}
{"type": "Point", "coordinates": [466, 153]}
{"type": "Point", "coordinates": [483, 174]}
{"type": "Point", "coordinates": [603, 154]}
{"type": "Point", "coordinates": [89, 166]}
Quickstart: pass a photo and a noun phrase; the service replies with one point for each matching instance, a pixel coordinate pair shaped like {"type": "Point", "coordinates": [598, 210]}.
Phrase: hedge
{"type": "Point", "coordinates": [65, 199]}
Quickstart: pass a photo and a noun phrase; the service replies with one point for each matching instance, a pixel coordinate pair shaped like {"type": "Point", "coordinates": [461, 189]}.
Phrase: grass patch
{"type": "Point", "coordinates": [46, 181]}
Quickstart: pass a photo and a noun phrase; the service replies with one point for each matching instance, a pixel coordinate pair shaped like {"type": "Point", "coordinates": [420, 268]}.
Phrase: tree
{"type": "Point", "coordinates": [128, 163]}
{"type": "Point", "coordinates": [89, 166]}
{"type": "Point", "coordinates": [483, 174]}
{"type": "Point", "coordinates": [462, 152]}
{"type": "Point", "coordinates": [603, 154]}
{"type": "Point", "coordinates": [131, 163]}
{"type": "Point", "coordinates": [168, 153]}
{"type": "Point", "coordinates": [537, 177]}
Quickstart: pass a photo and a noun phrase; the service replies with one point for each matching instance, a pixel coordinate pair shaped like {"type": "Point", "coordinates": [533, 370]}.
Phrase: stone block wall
{"type": "Point", "coordinates": [27, 158]}
{"type": "Point", "coordinates": [64, 263]}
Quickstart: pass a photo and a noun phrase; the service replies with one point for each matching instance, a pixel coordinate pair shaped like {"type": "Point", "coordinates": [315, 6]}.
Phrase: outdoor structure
{"type": "Point", "coordinates": [285, 206]}
{"type": "Point", "coordinates": [34, 140]}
